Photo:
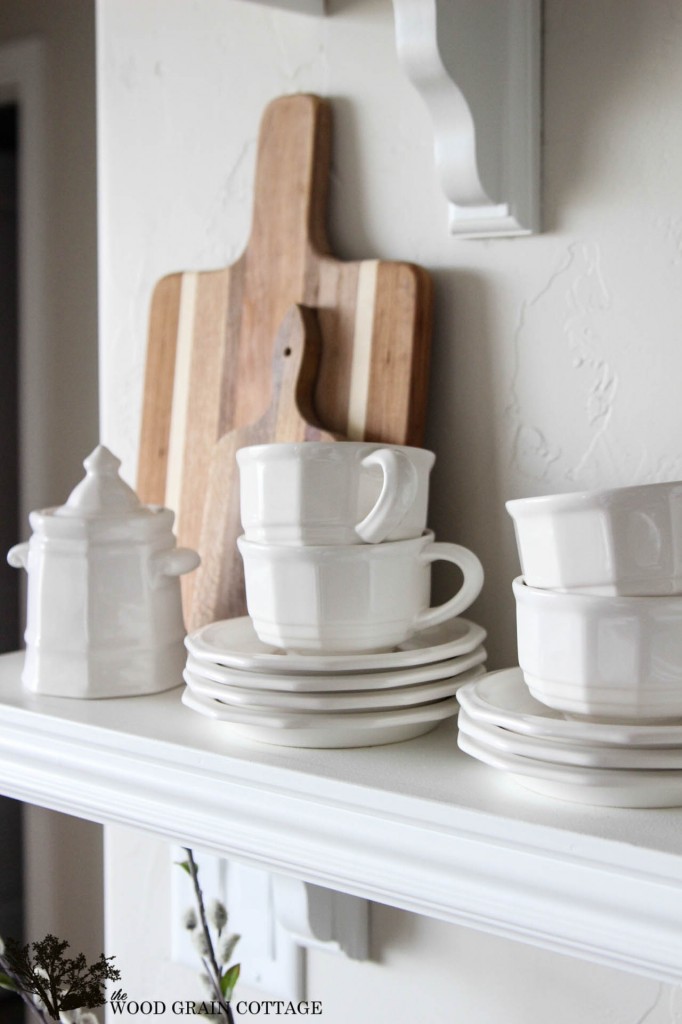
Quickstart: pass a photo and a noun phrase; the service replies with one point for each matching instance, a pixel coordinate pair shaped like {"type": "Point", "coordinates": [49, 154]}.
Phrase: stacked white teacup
{"type": "Point", "coordinates": [341, 647]}
{"type": "Point", "coordinates": [337, 557]}
{"type": "Point", "coordinates": [599, 606]}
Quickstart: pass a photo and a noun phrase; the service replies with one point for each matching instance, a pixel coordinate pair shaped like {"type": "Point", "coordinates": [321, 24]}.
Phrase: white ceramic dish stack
{"type": "Point", "coordinates": [266, 694]}
{"type": "Point", "coordinates": [595, 712]}
{"type": "Point", "coordinates": [341, 647]}
{"type": "Point", "coordinates": [600, 763]}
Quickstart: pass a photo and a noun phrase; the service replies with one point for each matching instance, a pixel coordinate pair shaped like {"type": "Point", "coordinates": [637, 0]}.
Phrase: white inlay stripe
{"type": "Point", "coordinates": [361, 363]}
{"type": "Point", "coordinates": [183, 360]}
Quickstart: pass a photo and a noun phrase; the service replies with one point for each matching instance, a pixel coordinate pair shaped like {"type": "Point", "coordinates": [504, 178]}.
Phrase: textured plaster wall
{"type": "Point", "coordinates": [556, 359]}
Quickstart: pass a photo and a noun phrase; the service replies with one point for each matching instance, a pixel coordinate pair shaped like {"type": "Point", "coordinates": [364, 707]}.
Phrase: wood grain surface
{"type": "Point", "coordinates": [216, 590]}
{"type": "Point", "coordinates": [211, 333]}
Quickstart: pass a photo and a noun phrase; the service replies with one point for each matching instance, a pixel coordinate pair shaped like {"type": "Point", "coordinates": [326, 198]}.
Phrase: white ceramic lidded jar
{"type": "Point", "coordinates": [104, 604]}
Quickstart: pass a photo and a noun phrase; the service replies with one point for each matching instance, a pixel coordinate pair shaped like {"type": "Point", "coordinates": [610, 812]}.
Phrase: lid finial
{"type": "Point", "coordinates": [102, 492]}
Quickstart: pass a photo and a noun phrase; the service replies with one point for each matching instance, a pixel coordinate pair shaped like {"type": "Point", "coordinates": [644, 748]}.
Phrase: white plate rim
{"type": "Point", "coordinates": [572, 775]}
{"type": "Point", "coordinates": [327, 738]}
{"type": "Point", "coordinates": [618, 789]}
{"type": "Point", "coordinates": [547, 722]}
{"type": "Point", "coordinates": [272, 660]}
{"type": "Point", "coordinates": [434, 711]}
{"type": "Point", "coordinates": [337, 682]}
{"type": "Point", "coordinates": [567, 754]}
{"type": "Point", "coordinates": [329, 702]}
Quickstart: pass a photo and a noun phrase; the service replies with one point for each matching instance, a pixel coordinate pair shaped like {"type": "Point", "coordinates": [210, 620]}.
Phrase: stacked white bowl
{"type": "Point", "coordinates": [341, 646]}
{"type": "Point", "coordinates": [599, 629]}
{"type": "Point", "coordinates": [599, 606]}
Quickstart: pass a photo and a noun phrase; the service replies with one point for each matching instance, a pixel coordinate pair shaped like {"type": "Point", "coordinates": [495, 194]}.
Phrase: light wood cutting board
{"type": "Point", "coordinates": [216, 590]}
{"type": "Point", "coordinates": [211, 333]}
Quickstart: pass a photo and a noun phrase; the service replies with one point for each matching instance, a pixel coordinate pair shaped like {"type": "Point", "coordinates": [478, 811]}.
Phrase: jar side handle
{"type": "Point", "coordinates": [18, 556]}
{"type": "Point", "coordinates": [173, 562]}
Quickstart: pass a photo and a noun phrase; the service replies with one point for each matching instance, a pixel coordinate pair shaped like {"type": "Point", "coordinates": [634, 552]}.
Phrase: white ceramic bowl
{"type": "Point", "coordinates": [626, 541]}
{"type": "Point", "coordinates": [618, 658]}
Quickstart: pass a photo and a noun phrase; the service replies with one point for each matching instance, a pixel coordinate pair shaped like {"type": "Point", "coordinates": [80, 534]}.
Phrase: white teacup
{"type": "Point", "coordinates": [343, 492]}
{"type": "Point", "coordinates": [351, 597]}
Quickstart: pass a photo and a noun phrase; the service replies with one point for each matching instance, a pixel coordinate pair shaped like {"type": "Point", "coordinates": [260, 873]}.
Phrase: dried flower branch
{"type": "Point", "coordinates": [219, 980]}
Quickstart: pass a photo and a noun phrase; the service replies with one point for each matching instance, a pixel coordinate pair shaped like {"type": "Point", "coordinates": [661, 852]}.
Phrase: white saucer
{"type": "Point", "coordinates": [358, 729]}
{"type": "Point", "coordinates": [567, 753]}
{"type": "Point", "coordinates": [361, 700]}
{"type": "Point", "coordinates": [599, 787]}
{"type": "Point", "coordinates": [233, 642]}
{"type": "Point", "coordinates": [336, 682]}
{"type": "Point", "coordinates": [502, 698]}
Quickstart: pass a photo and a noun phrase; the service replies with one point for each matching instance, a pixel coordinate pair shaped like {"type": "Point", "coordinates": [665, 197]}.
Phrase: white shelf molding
{"type": "Point", "coordinates": [417, 825]}
{"type": "Point", "coordinates": [477, 66]}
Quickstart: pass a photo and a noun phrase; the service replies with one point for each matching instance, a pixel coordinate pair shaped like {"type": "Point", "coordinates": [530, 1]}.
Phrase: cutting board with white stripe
{"type": "Point", "coordinates": [216, 589]}
{"type": "Point", "coordinates": [212, 333]}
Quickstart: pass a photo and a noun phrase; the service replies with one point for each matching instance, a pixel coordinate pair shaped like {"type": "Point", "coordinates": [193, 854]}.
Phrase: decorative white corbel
{"type": "Point", "coordinates": [476, 64]}
{"type": "Point", "coordinates": [322, 919]}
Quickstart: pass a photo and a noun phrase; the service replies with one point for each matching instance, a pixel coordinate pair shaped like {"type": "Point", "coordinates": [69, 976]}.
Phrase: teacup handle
{"type": "Point", "coordinates": [398, 494]}
{"type": "Point", "coordinates": [467, 593]}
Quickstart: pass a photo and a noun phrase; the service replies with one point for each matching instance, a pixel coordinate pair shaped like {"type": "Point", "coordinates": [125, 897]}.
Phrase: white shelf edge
{"type": "Point", "coordinates": [477, 68]}
{"type": "Point", "coordinates": [607, 901]}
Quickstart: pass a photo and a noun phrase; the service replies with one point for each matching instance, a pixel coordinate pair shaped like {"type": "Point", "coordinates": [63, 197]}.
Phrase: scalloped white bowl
{"type": "Point", "coordinates": [618, 658]}
{"type": "Point", "coordinates": [626, 541]}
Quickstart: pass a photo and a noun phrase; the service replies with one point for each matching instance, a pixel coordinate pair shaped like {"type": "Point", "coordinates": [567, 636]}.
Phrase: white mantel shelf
{"type": "Point", "coordinates": [417, 825]}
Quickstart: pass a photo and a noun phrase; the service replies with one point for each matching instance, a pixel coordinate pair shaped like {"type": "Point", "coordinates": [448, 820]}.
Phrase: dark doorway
{"type": "Point", "coordinates": [10, 810]}
{"type": "Point", "coordinates": [9, 376]}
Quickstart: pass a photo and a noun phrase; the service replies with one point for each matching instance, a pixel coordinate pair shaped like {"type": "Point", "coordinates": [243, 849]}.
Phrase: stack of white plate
{"type": "Point", "coordinates": [329, 700]}
{"type": "Point", "coordinates": [610, 764]}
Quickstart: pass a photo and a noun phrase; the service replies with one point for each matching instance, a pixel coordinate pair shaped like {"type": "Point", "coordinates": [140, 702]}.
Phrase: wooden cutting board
{"type": "Point", "coordinates": [211, 333]}
{"type": "Point", "coordinates": [216, 590]}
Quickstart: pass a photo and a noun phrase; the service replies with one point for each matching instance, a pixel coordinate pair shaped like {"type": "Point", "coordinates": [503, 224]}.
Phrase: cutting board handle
{"type": "Point", "coordinates": [295, 361]}
{"type": "Point", "coordinates": [217, 589]}
{"type": "Point", "coordinates": [292, 179]}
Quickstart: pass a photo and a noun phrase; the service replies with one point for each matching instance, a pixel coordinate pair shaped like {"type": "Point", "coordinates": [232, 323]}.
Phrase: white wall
{"type": "Point", "coordinates": [556, 359]}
